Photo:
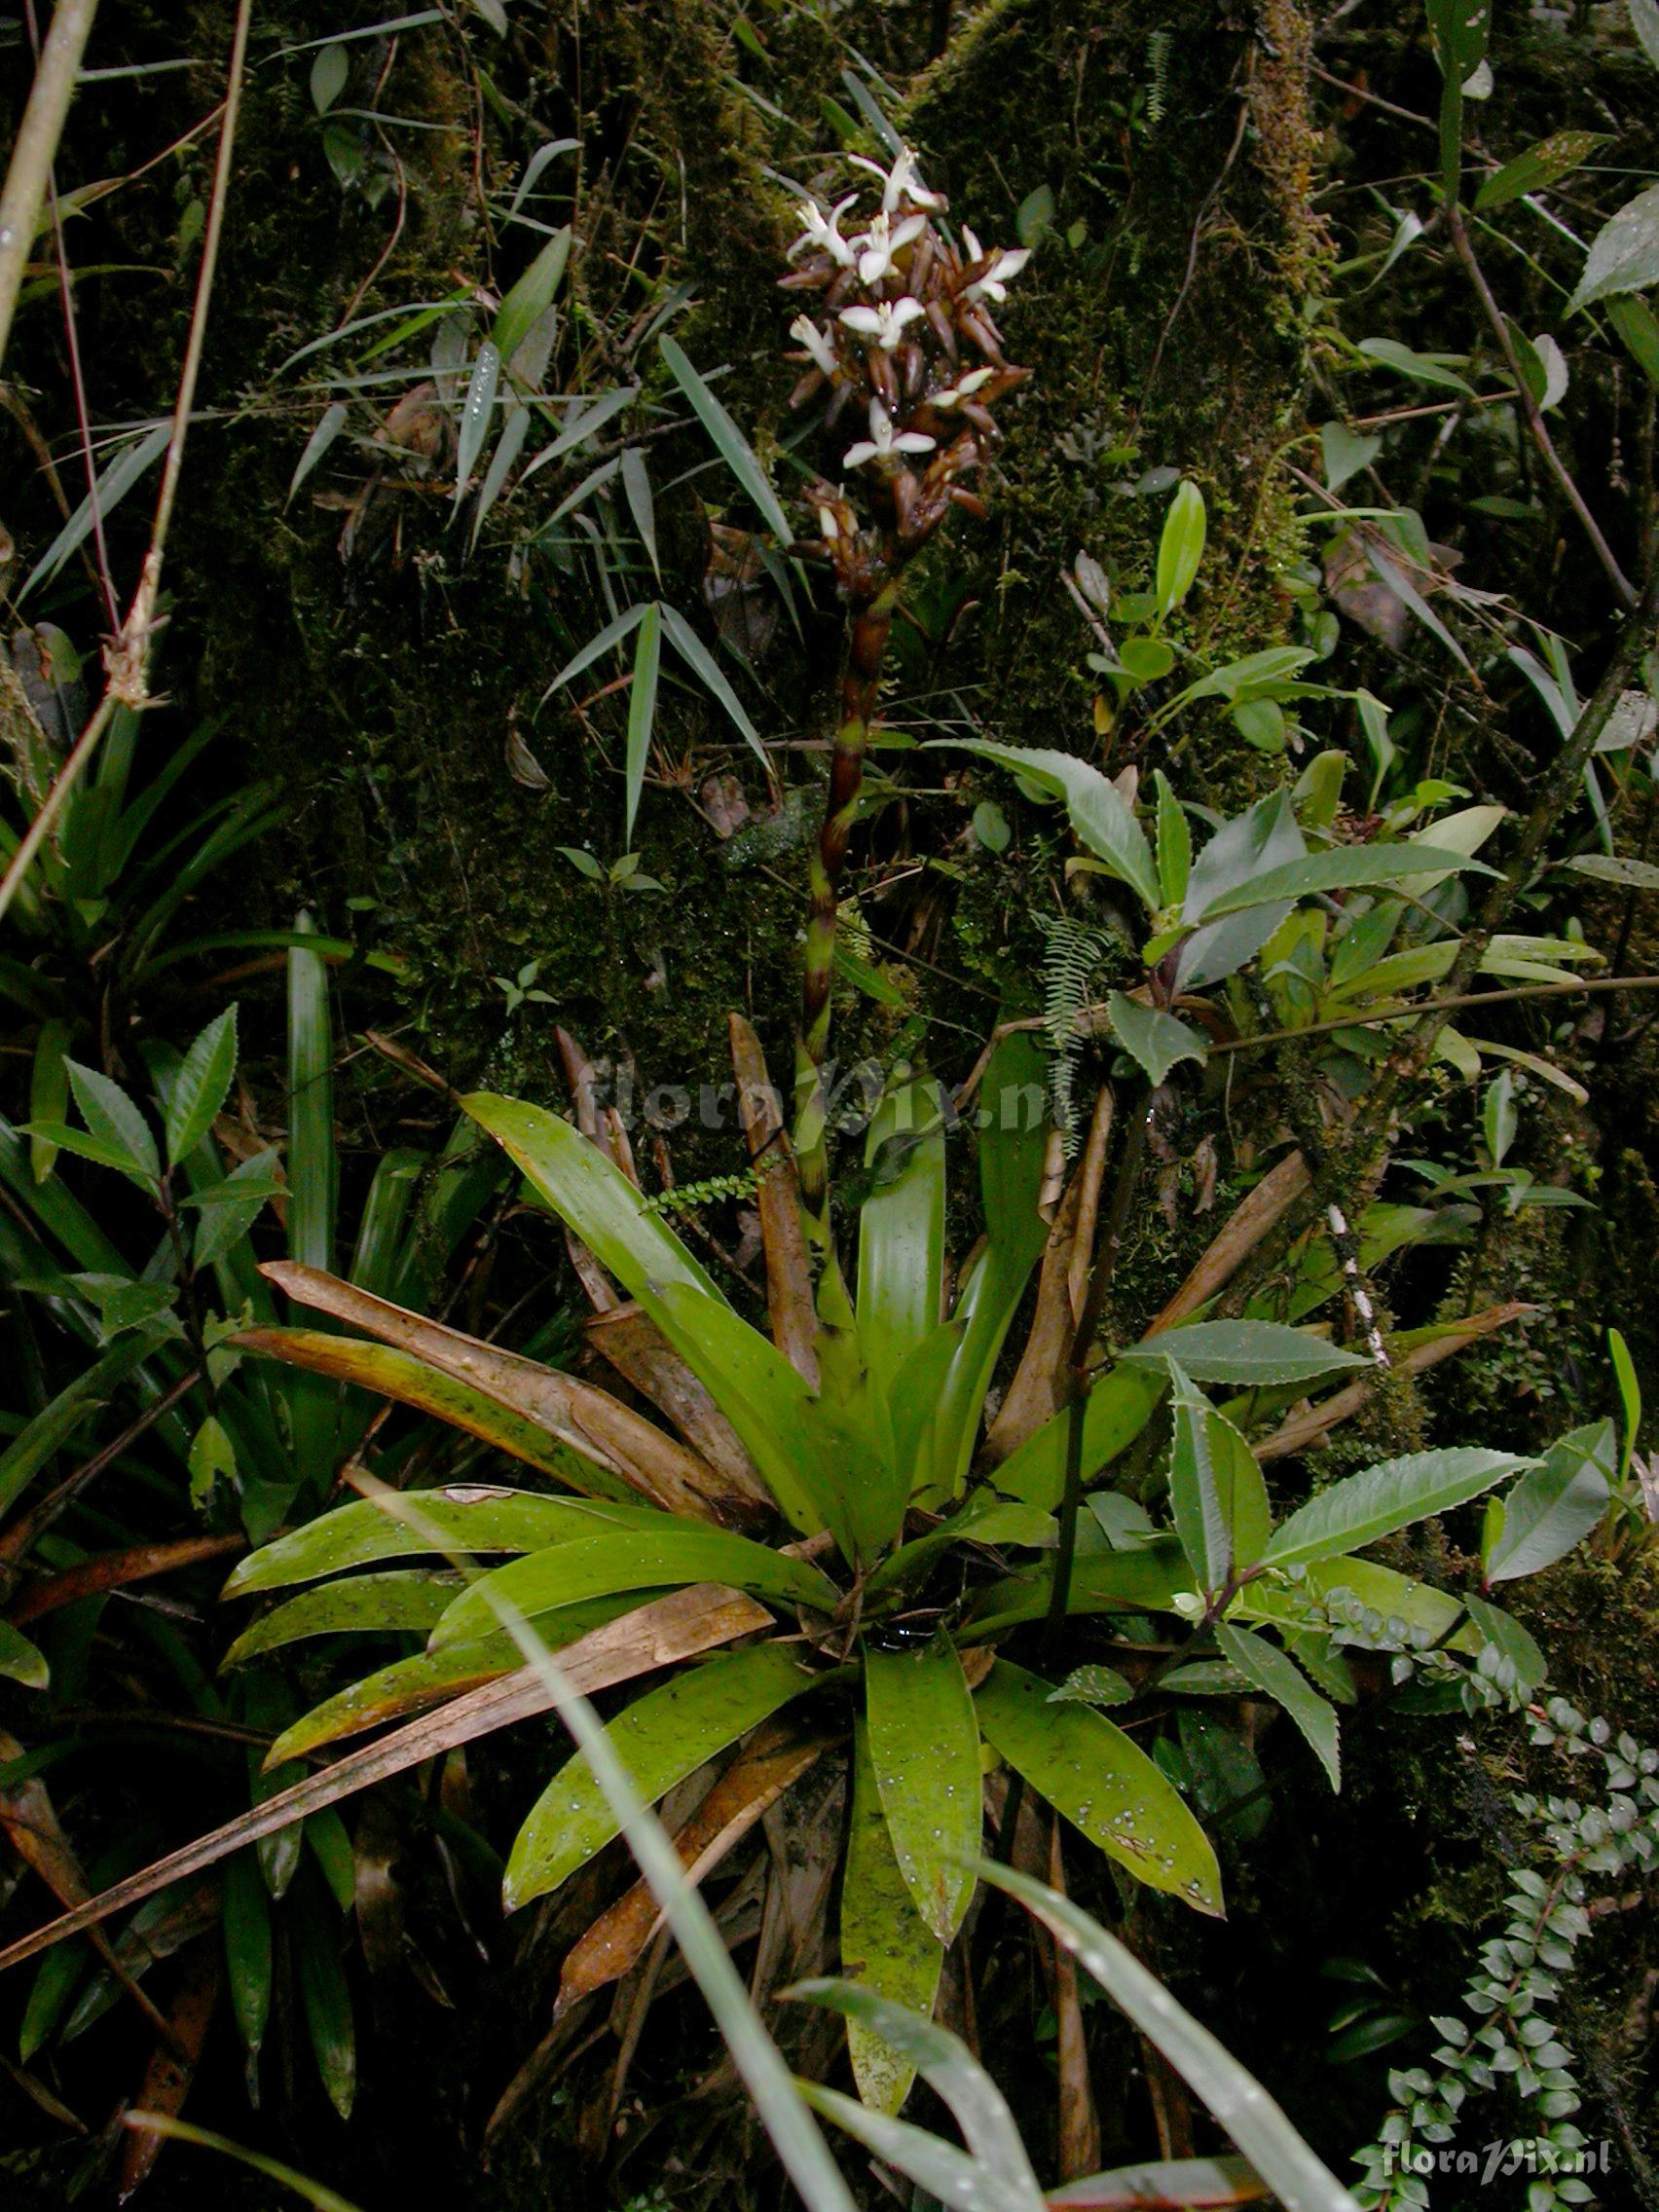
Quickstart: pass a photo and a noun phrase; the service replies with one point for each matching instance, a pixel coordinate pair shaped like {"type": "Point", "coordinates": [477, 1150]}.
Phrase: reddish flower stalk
{"type": "Point", "coordinates": [910, 343]}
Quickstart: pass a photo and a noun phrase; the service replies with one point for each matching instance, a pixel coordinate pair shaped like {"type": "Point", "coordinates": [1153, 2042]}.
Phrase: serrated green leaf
{"type": "Point", "coordinates": [1154, 1040]}
{"type": "Point", "coordinates": [1624, 254]}
{"type": "Point", "coordinates": [1281, 1680]}
{"type": "Point", "coordinates": [113, 1120]}
{"type": "Point", "coordinates": [1244, 1353]}
{"type": "Point", "coordinates": [1386, 1497]}
{"type": "Point", "coordinates": [200, 1086]}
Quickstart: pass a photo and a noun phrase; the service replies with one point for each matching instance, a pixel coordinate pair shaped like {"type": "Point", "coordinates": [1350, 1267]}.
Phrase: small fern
{"type": "Point", "coordinates": [1075, 950]}
{"type": "Point", "coordinates": [686, 1198]}
{"type": "Point", "coordinates": [1158, 77]}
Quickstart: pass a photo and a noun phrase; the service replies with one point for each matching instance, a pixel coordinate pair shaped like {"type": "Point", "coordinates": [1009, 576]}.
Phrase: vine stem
{"type": "Point", "coordinates": [127, 658]}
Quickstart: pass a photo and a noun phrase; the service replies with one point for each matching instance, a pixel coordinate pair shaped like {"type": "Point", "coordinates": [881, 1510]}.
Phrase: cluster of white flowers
{"type": "Point", "coordinates": [870, 256]}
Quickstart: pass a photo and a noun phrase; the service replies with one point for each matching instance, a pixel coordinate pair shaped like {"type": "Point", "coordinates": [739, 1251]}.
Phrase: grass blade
{"type": "Point", "coordinates": [642, 715]}
{"type": "Point", "coordinates": [734, 448]}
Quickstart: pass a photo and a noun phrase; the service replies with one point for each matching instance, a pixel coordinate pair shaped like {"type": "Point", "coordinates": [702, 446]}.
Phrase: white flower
{"type": "Point", "coordinates": [900, 182]}
{"type": "Point", "coordinates": [962, 388]}
{"type": "Point", "coordinates": [885, 323]}
{"type": "Point", "coordinates": [815, 342]}
{"type": "Point", "coordinates": [881, 241]}
{"type": "Point", "coordinates": [882, 444]}
{"type": "Point", "coordinates": [823, 231]}
{"type": "Point", "coordinates": [828, 529]}
{"type": "Point", "coordinates": [994, 284]}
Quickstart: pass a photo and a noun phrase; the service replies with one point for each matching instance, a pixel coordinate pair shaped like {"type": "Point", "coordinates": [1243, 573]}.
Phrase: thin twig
{"type": "Point", "coordinates": [36, 149]}
{"type": "Point", "coordinates": [1530, 407]}
{"type": "Point", "coordinates": [126, 659]}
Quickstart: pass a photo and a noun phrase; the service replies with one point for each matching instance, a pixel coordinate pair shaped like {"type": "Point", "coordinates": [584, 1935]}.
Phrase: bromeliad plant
{"type": "Point", "coordinates": [911, 349]}
{"type": "Point", "coordinates": [835, 1474]}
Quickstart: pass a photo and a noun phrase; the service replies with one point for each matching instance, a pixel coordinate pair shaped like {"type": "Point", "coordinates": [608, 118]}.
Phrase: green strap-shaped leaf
{"type": "Point", "coordinates": [1384, 1498]}
{"type": "Point", "coordinates": [1344, 867]}
{"type": "Point", "coordinates": [477, 1518]}
{"type": "Point", "coordinates": [1014, 1138]}
{"type": "Point", "coordinates": [532, 296]}
{"type": "Point", "coordinates": [1244, 1353]}
{"type": "Point", "coordinates": [660, 1739]}
{"type": "Point", "coordinates": [1102, 1782]}
{"type": "Point", "coordinates": [924, 1748]}
{"type": "Point", "coordinates": [734, 448]}
{"type": "Point", "coordinates": [885, 1944]}
{"type": "Point", "coordinates": [1281, 1680]}
{"type": "Point", "coordinates": [404, 1598]}
{"type": "Point", "coordinates": [902, 1227]}
{"type": "Point", "coordinates": [1238, 2101]}
{"type": "Point", "coordinates": [942, 2170]}
{"type": "Point", "coordinates": [1180, 546]}
{"type": "Point", "coordinates": [590, 1195]}
{"type": "Point", "coordinates": [412, 1381]}
{"type": "Point", "coordinates": [671, 1551]}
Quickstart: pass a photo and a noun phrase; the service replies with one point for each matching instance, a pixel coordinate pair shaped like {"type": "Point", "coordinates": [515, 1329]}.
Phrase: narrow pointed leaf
{"type": "Point", "coordinates": [924, 1748]}
{"type": "Point", "coordinates": [734, 448]}
{"type": "Point", "coordinates": [1101, 817]}
{"type": "Point", "coordinates": [1556, 1505]}
{"type": "Point", "coordinates": [113, 1118]}
{"type": "Point", "coordinates": [474, 1517]}
{"type": "Point", "coordinates": [529, 298]}
{"type": "Point", "coordinates": [1281, 1680]}
{"type": "Point", "coordinates": [641, 714]}
{"type": "Point", "coordinates": [1344, 867]}
{"type": "Point", "coordinates": [358, 1605]}
{"type": "Point", "coordinates": [476, 414]}
{"type": "Point", "coordinates": [708, 672]}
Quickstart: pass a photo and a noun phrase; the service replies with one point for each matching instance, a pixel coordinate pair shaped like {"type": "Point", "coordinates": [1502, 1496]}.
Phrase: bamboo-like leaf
{"type": "Point", "coordinates": [734, 448]}
{"type": "Point", "coordinates": [703, 665]}
{"type": "Point", "coordinates": [1103, 1783]}
{"type": "Point", "coordinates": [311, 1182]}
{"type": "Point", "coordinates": [476, 414]}
{"type": "Point", "coordinates": [1384, 1498]}
{"type": "Point", "coordinates": [200, 1086]}
{"type": "Point", "coordinates": [1239, 2103]}
{"type": "Point", "coordinates": [941, 2171]}
{"type": "Point", "coordinates": [901, 1227]}
{"type": "Point", "coordinates": [885, 1944]}
{"type": "Point", "coordinates": [660, 1739]}
{"type": "Point", "coordinates": [642, 715]}
{"type": "Point", "coordinates": [668, 1552]}
{"type": "Point", "coordinates": [923, 1748]}
{"type": "Point", "coordinates": [115, 480]}
{"type": "Point", "coordinates": [527, 301]}
{"type": "Point", "coordinates": [637, 490]}
{"type": "Point", "coordinates": [317, 445]}
{"type": "Point", "coordinates": [1281, 1678]}
{"type": "Point", "coordinates": [312, 2193]}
